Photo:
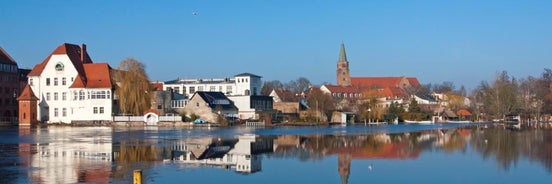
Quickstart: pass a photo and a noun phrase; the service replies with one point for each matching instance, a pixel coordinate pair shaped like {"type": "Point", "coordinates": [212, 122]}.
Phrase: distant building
{"type": "Point", "coordinates": [242, 84]}
{"type": "Point", "coordinates": [388, 89]}
{"type": "Point", "coordinates": [9, 87]}
{"type": "Point", "coordinates": [71, 88]}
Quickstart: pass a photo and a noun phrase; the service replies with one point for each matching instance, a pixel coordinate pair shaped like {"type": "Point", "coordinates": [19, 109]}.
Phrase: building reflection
{"type": "Point", "coordinates": [242, 154]}
{"type": "Point", "coordinates": [66, 156]}
{"type": "Point", "coordinates": [91, 155]}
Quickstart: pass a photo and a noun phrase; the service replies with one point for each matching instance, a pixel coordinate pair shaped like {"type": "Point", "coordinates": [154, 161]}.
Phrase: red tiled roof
{"type": "Point", "coordinates": [157, 86]}
{"type": "Point", "coordinates": [155, 111]}
{"type": "Point", "coordinates": [382, 82]}
{"type": "Point", "coordinates": [72, 51]}
{"type": "Point", "coordinates": [96, 76]}
{"type": "Point", "coordinates": [27, 94]}
{"type": "Point", "coordinates": [343, 89]}
{"type": "Point", "coordinates": [463, 112]}
{"type": "Point", "coordinates": [413, 81]}
{"type": "Point", "coordinates": [5, 57]}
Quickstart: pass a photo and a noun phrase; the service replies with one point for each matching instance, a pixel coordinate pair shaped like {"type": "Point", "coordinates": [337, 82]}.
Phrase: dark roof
{"type": "Point", "coordinates": [215, 99]}
{"type": "Point", "coordinates": [247, 74]}
{"type": "Point", "coordinates": [6, 58]}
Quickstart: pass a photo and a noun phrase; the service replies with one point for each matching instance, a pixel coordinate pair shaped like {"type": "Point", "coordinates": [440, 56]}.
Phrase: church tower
{"type": "Point", "coordinates": [343, 76]}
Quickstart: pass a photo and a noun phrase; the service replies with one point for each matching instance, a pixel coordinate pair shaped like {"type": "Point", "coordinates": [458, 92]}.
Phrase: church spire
{"type": "Point", "coordinates": [343, 76]}
{"type": "Point", "coordinates": [342, 55]}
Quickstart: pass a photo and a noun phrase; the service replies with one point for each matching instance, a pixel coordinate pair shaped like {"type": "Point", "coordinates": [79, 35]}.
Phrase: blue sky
{"type": "Point", "coordinates": [462, 41]}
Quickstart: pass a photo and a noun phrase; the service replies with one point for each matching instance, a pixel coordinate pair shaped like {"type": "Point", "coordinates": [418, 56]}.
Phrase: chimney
{"type": "Point", "coordinates": [83, 52]}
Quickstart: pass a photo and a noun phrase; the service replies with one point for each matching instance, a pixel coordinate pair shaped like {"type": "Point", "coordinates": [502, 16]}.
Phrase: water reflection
{"type": "Point", "coordinates": [99, 155]}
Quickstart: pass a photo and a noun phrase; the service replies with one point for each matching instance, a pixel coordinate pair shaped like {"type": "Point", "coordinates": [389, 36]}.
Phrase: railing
{"type": "Point", "coordinates": [141, 118]}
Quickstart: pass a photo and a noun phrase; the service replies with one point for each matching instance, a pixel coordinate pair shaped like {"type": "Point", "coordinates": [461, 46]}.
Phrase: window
{"type": "Point", "coordinates": [101, 110]}
{"type": "Point", "coordinates": [95, 111]}
{"type": "Point", "coordinates": [59, 66]}
{"type": "Point", "coordinates": [200, 88]}
{"type": "Point", "coordinates": [212, 88]}
{"type": "Point", "coordinates": [55, 96]}
{"type": "Point", "coordinates": [47, 81]}
{"type": "Point", "coordinates": [192, 89]}
{"type": "Point", "coordinates": [55, 112]}
{"type": "Point", "coordinates": [220, 89]}
{"type": "Point", "coordinates": [64, 112]}
{"type": "Point", "coordinates": [31, 82]}
{"type": "Point", "coordinates": [47, 96]}
{"type": "Point", "coordinates": [64, 81]}
{"type": "Point", "coordinates": [75, 95]}
{"type": "Point", "coordinates": [228, 89]}
{"type": "Point", "coordinates": [64, 96]}
{"type": "Point", "coordinates": [184, 90]}
{"type": "Point", "coordinates": [108, 94]}
{"type": "Point", "coordinates": [177, 89]}
{"type": "Point", "coordinates": [81, 95]}
{"type": "Point", "coordinates": [197, 104]}
{"type": "Point", "coordinates": [55, 81]}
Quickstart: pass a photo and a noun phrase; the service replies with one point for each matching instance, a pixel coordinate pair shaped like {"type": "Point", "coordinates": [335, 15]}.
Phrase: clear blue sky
{"type": "Point", "coordinates": [462, 41]}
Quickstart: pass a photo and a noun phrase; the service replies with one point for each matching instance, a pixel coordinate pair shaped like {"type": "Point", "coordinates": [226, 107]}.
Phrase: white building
{"type": "Point", "coordinates": [72, 88]}
{"type": "Point", "coordinates": [242, 84]}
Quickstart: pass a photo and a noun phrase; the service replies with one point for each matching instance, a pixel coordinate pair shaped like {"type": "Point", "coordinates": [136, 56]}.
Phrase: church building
{"type": "Point", "coordinates": [388, 88]}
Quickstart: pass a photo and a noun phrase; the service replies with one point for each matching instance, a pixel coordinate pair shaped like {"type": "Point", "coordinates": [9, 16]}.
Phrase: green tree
{"type": "Point", "coordinates": [133, 87]}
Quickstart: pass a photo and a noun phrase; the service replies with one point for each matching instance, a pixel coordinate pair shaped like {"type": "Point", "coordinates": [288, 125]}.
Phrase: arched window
{"type": "Point", "coordinates": [247, 92]}
{"type": "Point", "coordinates": [59, 66]}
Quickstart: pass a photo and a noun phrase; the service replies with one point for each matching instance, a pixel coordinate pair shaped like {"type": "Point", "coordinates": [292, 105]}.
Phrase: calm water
{"type": "Point", "coordinates": [353, 154]}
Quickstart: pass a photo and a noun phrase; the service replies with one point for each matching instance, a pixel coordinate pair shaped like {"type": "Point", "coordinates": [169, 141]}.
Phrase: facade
{"type": "Point", "coordinates": [210, 105]}
{"type": "Point", "coordinates": [71, 88]}
{"type": "Point", "coordinates": [249, 107]}
{"type": "Point", "coordinates": [242, 84]}
{"type": "Point", "coordinates": [9, 87]}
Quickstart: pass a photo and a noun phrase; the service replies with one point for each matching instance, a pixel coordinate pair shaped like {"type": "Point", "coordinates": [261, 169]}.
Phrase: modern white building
{"type": "Point", "coordinates": [242, 84]}
{"type": "Point", "coordinates": [71, 88]}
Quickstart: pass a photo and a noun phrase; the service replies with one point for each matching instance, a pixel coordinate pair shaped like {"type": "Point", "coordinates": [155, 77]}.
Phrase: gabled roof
{"type": "Point", "coordinates": [27, 94]}
{"type": "Point", "coordinates": [5, 57]}
{"type": "Point", "coordinates": [74, 54]}
{"type": "Point", "coordinates": [246, 75]}
{"type": "Point", "coordinates": [215, 99]}
{"type": "Point", "coordinates": [286, 95]}
{"type": "Point", "coordinates": [96, 76]}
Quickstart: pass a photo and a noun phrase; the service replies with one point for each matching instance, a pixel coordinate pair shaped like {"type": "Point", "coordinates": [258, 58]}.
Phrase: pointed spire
{"type": "Point", "coordinates": [342, 55]}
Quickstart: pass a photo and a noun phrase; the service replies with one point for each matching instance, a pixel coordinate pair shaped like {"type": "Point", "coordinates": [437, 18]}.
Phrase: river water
{"type": "Point", "coordinates": [441, 153]}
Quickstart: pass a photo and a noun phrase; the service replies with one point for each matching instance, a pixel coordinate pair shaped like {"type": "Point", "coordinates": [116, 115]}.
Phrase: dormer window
{"type": "Point", "coordinates": [59, 66]}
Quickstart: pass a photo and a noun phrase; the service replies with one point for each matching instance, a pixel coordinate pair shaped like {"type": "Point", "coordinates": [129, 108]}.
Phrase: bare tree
{"type": "Point", "coordinates": [133, 87]}
{"type": "Point", "coordinates": [268, 86]}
